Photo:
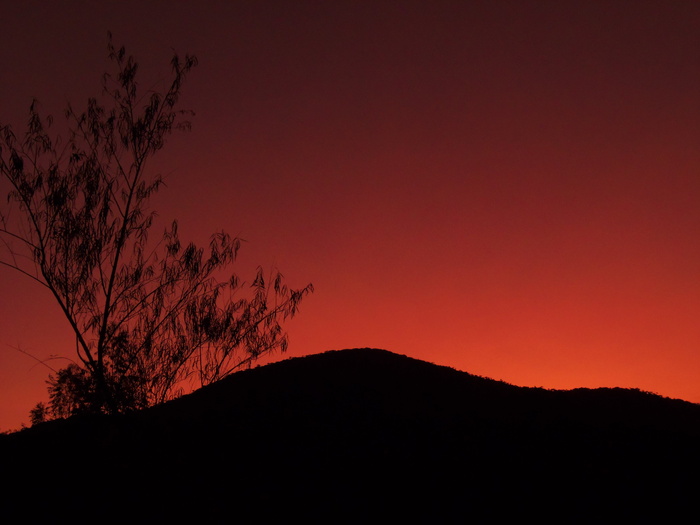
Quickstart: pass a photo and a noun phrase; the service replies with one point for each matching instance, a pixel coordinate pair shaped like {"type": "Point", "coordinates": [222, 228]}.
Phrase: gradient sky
{"type": "Point", "coordinates": [510, 188]}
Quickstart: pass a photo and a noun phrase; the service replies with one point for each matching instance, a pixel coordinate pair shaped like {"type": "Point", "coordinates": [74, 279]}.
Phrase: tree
{"type": "Point", "coordinates": [148, 317]}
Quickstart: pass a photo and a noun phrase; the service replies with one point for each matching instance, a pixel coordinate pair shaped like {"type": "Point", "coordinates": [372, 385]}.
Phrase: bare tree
{"type": "Point", "coordinates": [148, 317]}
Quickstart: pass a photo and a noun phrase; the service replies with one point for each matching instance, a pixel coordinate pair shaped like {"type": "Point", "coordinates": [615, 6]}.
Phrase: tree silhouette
{"type": "Point", "coordinates": [148, 317]}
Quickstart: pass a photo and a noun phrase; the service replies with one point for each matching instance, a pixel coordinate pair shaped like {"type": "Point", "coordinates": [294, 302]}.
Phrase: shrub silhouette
{"type": "Point", "coordinates": [149, 318]}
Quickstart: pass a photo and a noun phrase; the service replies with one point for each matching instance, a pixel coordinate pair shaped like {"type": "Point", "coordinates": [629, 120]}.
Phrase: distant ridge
{"type": "Point", "coordinates": [343, 435]}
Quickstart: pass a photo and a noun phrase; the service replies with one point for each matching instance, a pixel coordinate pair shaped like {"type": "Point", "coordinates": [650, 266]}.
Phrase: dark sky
{"type": "Point", "coordinates": [507, 188]}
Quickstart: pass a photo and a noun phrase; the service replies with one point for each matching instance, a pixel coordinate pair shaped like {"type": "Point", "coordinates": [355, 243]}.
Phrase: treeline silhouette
{"type": "Point", "coordinates": [364, 435]}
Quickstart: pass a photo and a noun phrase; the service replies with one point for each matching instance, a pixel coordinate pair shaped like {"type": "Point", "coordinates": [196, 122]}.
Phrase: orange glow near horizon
{"type": "Point", "coordinates": [511, 189]}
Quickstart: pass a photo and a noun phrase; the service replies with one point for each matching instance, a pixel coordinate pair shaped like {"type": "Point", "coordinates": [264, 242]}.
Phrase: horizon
{"type": "Point", "coordinates": [506, 188]}
{"type": "Point", "coordinates": [262, 363]}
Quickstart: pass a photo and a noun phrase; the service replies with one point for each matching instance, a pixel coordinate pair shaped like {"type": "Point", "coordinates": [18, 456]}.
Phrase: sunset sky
{"type": "Point", "coordinates": [509, 188]}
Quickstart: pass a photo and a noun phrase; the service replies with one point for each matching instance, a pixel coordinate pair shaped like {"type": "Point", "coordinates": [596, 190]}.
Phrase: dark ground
{"type": "Point", "coordinates": [363, 436]}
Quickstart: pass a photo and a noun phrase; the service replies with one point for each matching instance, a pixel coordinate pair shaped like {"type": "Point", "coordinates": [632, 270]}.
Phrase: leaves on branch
{"type": "Point", "coordinates": [149, 318]}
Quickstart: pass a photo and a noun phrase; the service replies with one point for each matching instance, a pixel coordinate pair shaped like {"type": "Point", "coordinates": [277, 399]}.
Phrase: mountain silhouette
{"type": "Point", "coordinates": [363, 435]}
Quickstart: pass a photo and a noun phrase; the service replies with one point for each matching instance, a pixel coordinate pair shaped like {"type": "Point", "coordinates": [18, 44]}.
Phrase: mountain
{"type": "Point", "coordinates": [363, 435]}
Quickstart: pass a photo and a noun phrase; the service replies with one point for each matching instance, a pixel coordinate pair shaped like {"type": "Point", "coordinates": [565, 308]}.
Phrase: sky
{"type": "Point", "coordinates": [509, 188]}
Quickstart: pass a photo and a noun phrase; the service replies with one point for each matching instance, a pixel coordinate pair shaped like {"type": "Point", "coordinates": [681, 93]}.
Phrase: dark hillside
{"type": "Point", "coordinates": [364, 435]}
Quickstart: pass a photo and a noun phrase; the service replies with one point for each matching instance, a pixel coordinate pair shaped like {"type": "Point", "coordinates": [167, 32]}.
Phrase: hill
{"type": "Point", "coordinates": [363, 435]}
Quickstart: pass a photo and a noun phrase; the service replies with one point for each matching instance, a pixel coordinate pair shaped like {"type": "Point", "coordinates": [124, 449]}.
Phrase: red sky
{"type": "Point", "coordinates": [508, 188]}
